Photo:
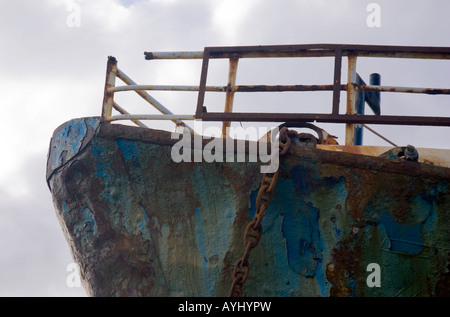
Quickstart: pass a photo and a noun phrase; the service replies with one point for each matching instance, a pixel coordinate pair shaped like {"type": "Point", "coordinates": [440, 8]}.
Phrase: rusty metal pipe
{"type": "Point", "coordinates": [172, 117]}
{"type": "Point", "coordinates": [308, 50]}
{"type": "Point", "coordinates": [321, 117]}
{"type": "Point", "coordinates": [236, 88]}
{"type": "Point", "coordinates": [379, 135]}
{"type": "Point", "coordinates": [337, 81]}
{"type": "Point", "coordinates": [351, 98]}
{"type": "Point", "coordinates": [166, 88]}
{"type": "Point", "coordinates": [173, 55]}
{"type": "Point", "coordinates": [108, 97]}
{"type": "Point", "coordinates": [412, 90]}
{"type": "Point", "coordinates": [229, 98]}
{"type": "Point", "coordinates": [127, 80]}
{"type": "Point", "coordinates": [123, 111]}
{"type": "Point", "coordinates": [281, 88]}
{"type": "Point", "coordinates": [317, 50]}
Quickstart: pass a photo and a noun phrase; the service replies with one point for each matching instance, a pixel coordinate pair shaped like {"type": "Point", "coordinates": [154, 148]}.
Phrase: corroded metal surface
{"type": "Point", "coordinates": [338, 51]}
{"type": "Point", "coordinates": [438, 157]}
{"type": "Point", "coordinates": [139, 224]}
{"type": "Point", "coordinates": [354, 86]}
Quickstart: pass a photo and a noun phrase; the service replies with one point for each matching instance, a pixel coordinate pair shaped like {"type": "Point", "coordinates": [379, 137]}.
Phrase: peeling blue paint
{"type": "Point", "coordinates": [300, 175]}
{"type": "Point", "coordinates": [97, 152]}
{"type": "Point", "coordinates": [252, 209]}
{"type": "Point", "coordinates": [404, 238]}
{"type": "Point", "coordinates": [69, 140]}
{"type": "Point", "coordinates": [300, 228]}
{"type": "Point", "coordinates": [64, 207]}
{"type": "Point", "coordinates": [89, 221]}
{"type": "Point", "coordinates": [129, 150]}
{"type": "Point", "coordinates": [322, 282]}
{"type": "Point", "coordinates": [430, 223]}
{"type": "Point", "coordinates": [310, 227]}
{"type": "Point", "coordinates": [85, 227]}
{"type": "Point", "coordinates": [92, 122]}
{"type": "Point", "coordinates": [202, 249]}
{"type": "Point", "coordinates": [144, 225]}
{"type": "Point", "coordinates": [292, 226]}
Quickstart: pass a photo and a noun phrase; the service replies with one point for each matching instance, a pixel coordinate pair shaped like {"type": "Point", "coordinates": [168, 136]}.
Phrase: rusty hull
{"type": "Point", "coordinates": [139, 224]}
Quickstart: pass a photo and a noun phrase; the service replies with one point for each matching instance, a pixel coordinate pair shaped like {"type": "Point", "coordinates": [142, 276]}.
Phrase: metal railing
{"type": "Point", "coordinates": [353, 86]}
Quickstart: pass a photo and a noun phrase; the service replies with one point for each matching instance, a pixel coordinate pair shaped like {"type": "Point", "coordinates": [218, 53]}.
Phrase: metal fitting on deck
{"type": "Point", "coordinates": [408, 153]}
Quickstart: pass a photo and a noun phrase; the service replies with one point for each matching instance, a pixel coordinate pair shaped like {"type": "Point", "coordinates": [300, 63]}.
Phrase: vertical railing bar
{"type": "Point", "coordinates": [202, 86]}
{"type": "Point", "coordinates": [233, 54]}
{"type": "Point", "coordinates": [110, 81]}
{"type": "Point", "coordinates": [229, 98]}
{"type": "Point", "coordinates": [351, 96]}
{"type": "Point", "coordinates": [337, 81]}
{"type": "Point", "coordinates": [360, 102]}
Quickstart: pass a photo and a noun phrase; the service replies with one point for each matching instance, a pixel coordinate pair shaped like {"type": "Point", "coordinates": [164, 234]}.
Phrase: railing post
{"type": "Point", "coordinates": [230, 92]}
{"type": "Point", "coordinates": [110, 81]}
{"type": "Point", "coordinates": [351, 97]}
{"type": "Point", "coordinates": [375, 80]}
{"type": "Point", "coordinates": [360, 103]}
{"type": "Point", "coordinates": [337, 81]}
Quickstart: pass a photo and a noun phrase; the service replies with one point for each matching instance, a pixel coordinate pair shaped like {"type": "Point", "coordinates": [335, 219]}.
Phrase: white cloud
{"type": "Point", "coordinates": [109, 16]}
{"type": "Point", "coordinates": [229, 16]}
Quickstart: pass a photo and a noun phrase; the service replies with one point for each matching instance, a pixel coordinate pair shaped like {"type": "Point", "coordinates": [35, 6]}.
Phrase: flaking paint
{"type": "Point", "coordinates": [141, 225]}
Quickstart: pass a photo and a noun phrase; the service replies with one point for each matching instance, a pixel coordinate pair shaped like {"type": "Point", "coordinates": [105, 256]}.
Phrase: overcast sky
{"type": "Point", "coordinates": [52, 68]}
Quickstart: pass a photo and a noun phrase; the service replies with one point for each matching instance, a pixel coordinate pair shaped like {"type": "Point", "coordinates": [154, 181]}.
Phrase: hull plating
{"type": "Point", "coordinates": [139, 224]}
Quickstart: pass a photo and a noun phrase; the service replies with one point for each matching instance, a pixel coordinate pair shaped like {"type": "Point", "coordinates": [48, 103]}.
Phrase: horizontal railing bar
{"type": "Point", "coordinates": [166, 87]}
{"type": "Point", "coordinates": [237, 88]}
{"type": "Point", "coordinates": [313, 50]}
{"type": "Point", "coordinates": [317, 50]}
{"type": "Point", "coordinates": [155, 103]}
{"type": "Point", "coordinates": [415, 90]}
{"type": "Point", "coordinates": [262, 88]}
{"type": "Point", "coordinates": [123, 111]}
{"type": "Point", "coordinates": [152, 117]}
{"type": "Point", "coordinates": [308, 50]}
{"type": "Point", "coordinates": [127, 80]}
{"type": "Point", "coordinates": [291, 117]}
{"type": "Point", "coordinates": [173, 55]}
{"type": "Point", "coordinates": [320, 117]}
{"type": "Point", "coordinates": [327, 53]}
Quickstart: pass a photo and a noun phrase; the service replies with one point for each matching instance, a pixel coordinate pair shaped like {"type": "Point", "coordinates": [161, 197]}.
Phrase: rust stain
{"type": "Point", "coordinates": [443, 284]}
{"type": "Point", "coordinates": [344, 268]}
{"type": "Point", "coordinates": [438, 157]}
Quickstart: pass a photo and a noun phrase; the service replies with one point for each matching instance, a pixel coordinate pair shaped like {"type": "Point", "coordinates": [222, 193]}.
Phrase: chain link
{"type": "Point", "coordinates": [253, 231]}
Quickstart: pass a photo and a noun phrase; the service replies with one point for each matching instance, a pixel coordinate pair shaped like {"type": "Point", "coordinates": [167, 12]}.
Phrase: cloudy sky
{"type": "Point", "coordinates": [52, 67]}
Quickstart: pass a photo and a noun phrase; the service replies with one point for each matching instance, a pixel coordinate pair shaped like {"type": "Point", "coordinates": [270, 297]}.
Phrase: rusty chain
{"type": "Point", "coordinates": [253, 231]}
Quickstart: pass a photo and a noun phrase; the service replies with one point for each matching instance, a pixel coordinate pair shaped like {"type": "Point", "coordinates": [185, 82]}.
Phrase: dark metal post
{"type": "Point", "coordinates": [359, 107]}
{"type": "Point", "coordinates": [371, 97]}
{"type": "Point", "coordinates": [375, 80]}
